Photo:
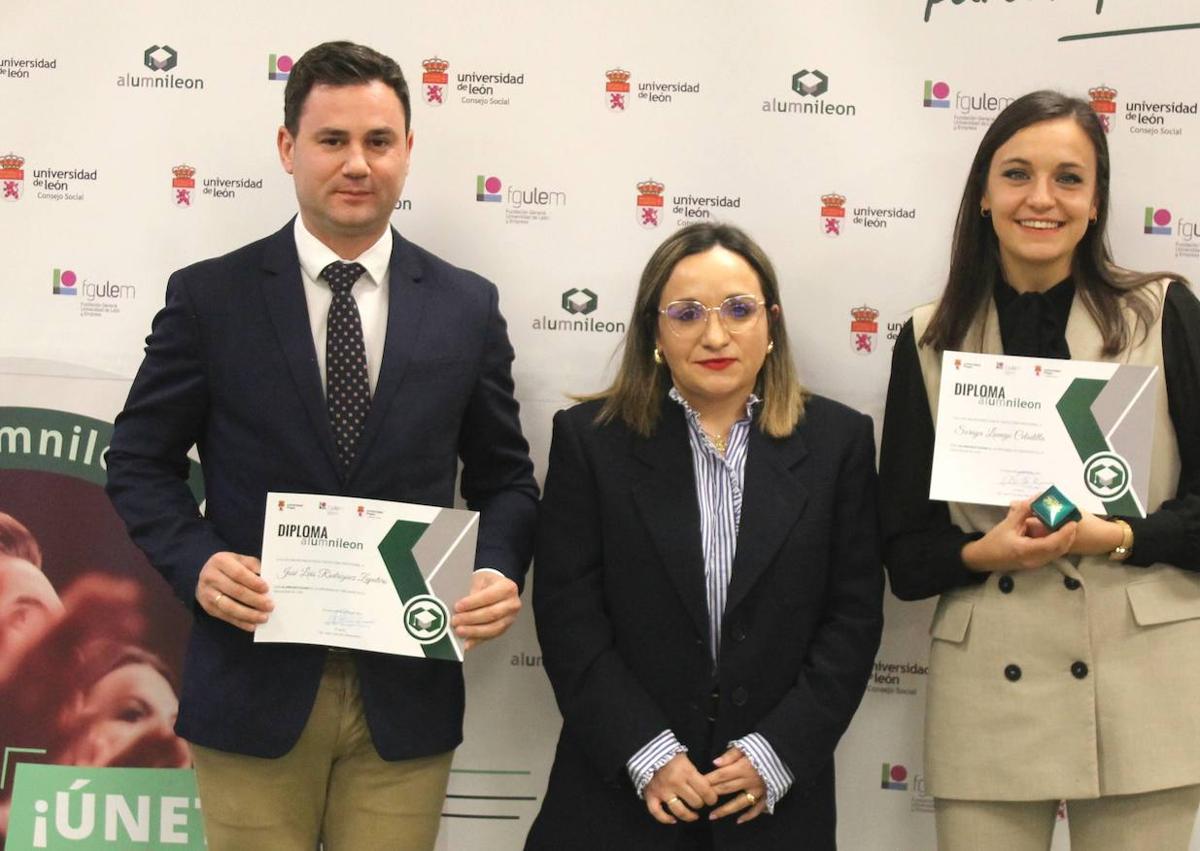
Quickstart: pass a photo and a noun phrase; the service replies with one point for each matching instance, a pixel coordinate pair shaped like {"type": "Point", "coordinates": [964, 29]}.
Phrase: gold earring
{"type": "Point", "coordinates": [984, 212]}
{"type": "Point", "coordinates": [658, 356]}
{"type": "Point", "coordinates": [1093, 219]}
{"type": "Point", "coordinates": [770, 346]}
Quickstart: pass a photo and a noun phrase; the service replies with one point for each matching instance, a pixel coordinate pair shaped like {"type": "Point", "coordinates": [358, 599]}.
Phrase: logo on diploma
{"type": "Point", "coordinates": [426, 619]}
{"type": "Point", "coordinates": [1106, 474]}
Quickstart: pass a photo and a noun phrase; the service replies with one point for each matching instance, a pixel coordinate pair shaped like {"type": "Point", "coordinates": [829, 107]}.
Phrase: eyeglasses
{"type": "Point", "coordinates": [689, 318]}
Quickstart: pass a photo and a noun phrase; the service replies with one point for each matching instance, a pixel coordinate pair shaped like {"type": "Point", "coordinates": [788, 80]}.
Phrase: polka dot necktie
{"type": "Point", "coordinates": [347, 389]}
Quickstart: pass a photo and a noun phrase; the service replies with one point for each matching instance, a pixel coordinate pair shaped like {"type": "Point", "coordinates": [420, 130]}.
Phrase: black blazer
{"type": "Point", "coordinates": [621, 615]}
{"type": "Point", "coordinates": [231, 367]}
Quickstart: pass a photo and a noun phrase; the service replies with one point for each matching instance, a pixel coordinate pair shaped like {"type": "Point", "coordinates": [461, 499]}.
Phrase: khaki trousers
{"type": "Point", "coordinates": [1152, 821]}
{"type": "Point", "coordinates": [332, 786]}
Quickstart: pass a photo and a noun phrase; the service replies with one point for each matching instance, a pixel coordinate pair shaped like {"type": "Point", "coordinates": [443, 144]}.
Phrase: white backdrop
{"type": "Point", "coordinates": [527, 172]}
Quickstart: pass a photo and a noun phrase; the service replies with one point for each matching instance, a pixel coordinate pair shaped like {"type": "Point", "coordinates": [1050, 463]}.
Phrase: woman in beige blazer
{"type": "Point", "coordinates": [1064, 665]}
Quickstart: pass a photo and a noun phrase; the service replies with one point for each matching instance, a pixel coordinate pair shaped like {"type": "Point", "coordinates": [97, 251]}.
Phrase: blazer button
{"type": "Point", "coordinates": [738, 632]}
{"type": "Point", "coordinates": [1012, 672]}
{"type": "Point", "coordinates": [1072, 583]}
{"type": "Point", "coordinates": [1006, 584]}
{"type": "Point", "coordinates": [739, 696]}
{"type": "Point", "coordinates": [1079, 670]}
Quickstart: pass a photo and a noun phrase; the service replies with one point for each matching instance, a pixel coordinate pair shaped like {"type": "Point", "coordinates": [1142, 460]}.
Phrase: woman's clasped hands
{"type": "Point", "coordinates": [678, 789]}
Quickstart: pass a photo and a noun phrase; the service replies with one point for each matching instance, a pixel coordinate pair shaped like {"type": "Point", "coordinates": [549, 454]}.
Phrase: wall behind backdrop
{"type": "Point", "coordinates": [556, 145]}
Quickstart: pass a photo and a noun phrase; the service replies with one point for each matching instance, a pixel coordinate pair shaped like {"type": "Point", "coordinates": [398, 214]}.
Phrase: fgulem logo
{"type": "Point", "coordinates": [279, 67]}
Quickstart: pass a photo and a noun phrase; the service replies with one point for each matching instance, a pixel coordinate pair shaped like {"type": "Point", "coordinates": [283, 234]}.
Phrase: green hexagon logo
{"type": "Point", "coordinates": [426, 618]}
{"type": "Point", "coordinates": [579, 301]}
{"type": "Point", "coordinates": [1106, 474]}
{"type": "Point", "coordinates": [160, 57]}
{"type": "Point", "coordinates": [806, 82]}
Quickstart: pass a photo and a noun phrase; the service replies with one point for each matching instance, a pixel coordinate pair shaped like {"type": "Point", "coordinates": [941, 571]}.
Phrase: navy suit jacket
{"type": "Point", "coordinates": [231, 368]}
{"type": "Point", "coordinates": [619, 598]}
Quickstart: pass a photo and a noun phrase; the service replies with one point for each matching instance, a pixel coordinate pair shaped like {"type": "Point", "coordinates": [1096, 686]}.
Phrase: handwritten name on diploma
{"type": "Point", "coordinates": [305, 571]}
{"type": "Point", "coordinates": [998, 434]}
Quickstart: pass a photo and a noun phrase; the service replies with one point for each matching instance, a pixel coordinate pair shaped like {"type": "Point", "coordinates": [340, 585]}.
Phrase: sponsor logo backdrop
{"type": "Point", "coordinates": [552, 161]}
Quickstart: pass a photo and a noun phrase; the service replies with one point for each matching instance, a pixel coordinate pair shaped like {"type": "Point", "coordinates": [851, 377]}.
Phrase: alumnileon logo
{"type": "Point", "coordinates": [579, 301]}
{"type": "Point", "coordinates": [808, 82]}
{"type": "Point", "coordinates": [160, 58]}
{"type": "Point", "coordinates": [811, 85]}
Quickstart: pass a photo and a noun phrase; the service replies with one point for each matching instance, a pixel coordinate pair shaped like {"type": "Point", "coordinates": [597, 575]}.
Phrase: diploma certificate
{"type": "Point", "coordinates": [1010, 427]}
{"type": "Point", "coordinates": [366, 574]}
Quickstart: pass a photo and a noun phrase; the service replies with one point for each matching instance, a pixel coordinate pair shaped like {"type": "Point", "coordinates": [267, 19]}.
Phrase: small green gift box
{"type": "Point", "coordinates": [1054, 509]}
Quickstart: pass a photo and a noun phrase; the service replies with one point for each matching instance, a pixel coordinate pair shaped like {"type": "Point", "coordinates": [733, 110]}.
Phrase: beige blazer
{"type": "Point", "coordinates": [1083, 677]}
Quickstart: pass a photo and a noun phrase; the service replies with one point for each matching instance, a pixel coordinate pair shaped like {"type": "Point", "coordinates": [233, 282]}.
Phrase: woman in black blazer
{"type": "Point", "coordinates": [708, 582]}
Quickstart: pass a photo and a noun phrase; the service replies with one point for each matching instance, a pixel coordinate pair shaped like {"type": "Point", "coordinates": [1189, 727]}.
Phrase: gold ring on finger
{"type": "Point", "coordinates": [750, 797]}
{"type": "Point", "coordinates": [672, 800]}
{"type": "Point", "coordinates": [217, 599]}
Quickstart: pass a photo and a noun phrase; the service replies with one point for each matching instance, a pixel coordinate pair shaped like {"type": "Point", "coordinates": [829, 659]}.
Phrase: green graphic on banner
{"type": "Point", "coordinates": [62, 442]}
{"type": "Point", "coordinates": [114, 809]}
{"type": "Point", "coordinates": [1104, 471]}
{"type": "Point", "coordinates": [425, 616]}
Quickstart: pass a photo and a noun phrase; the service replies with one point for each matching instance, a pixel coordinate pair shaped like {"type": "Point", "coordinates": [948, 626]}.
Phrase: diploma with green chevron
{"type": "Point", "coordinates": [1010, 427]}
{"type": "Point", "coordinates": [366, 574]}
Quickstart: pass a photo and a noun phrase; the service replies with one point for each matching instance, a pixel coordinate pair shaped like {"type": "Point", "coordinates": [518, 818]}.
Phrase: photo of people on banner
{"type": "Point", "coordinates": [91, 642]}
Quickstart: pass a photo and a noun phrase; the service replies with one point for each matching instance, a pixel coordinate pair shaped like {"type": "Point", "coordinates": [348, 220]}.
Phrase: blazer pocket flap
{"type": "Point", "coordinates": [952, 618]}
{"type": "Point", "coordinates": [1174, 596]}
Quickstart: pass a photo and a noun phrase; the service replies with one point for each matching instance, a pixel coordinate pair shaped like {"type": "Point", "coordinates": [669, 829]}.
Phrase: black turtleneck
{"type": "Point", "coordinates": [922, 548]}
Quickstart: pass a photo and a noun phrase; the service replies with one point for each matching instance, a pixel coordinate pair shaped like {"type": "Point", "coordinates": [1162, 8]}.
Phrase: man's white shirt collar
{"type": "Point", "coordinates": [316, 255]}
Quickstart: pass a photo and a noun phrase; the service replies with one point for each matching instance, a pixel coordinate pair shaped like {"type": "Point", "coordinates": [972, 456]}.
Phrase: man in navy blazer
{"type": "Point", "coordinates": [298, 742]}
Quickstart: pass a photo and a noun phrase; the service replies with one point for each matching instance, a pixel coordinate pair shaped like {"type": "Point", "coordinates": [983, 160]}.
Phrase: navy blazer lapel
{"type": "Point", "coordinates": [408, 296]}
{"type": "Point", "coordinates": [283, 290]}
{"type": "Point", "coordinates": [773, 499]}
{"type": "Point", "coordinates": [666, 498]}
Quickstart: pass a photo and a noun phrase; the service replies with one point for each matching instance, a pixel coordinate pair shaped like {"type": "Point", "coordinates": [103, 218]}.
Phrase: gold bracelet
{"type": "Point", "coordinates": [1125, 550]}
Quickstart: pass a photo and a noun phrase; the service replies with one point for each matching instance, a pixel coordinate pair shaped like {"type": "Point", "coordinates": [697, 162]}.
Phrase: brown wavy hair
{"type": "Point", "coordinates": [1105, 287]}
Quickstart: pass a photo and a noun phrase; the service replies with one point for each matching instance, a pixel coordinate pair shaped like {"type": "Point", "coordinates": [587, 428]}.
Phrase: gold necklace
{"type": "Point", "coordinates": [717, 440]}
